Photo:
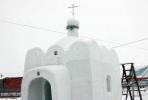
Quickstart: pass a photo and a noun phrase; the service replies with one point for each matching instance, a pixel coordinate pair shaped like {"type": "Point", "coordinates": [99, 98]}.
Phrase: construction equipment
{"type": "Point", "coordinates": [129, 80]}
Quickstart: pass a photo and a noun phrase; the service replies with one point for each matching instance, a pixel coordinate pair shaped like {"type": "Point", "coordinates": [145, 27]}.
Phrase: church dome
{"type": "Point", "coordinates": [72, 27]}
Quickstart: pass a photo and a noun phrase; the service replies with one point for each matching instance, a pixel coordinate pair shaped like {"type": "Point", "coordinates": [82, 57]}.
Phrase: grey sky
{"type": "Point", "coordinates": [120, 21]}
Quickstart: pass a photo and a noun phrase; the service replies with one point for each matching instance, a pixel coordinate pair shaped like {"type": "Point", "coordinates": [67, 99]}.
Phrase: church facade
{"type": "Point", "coordinates": [74, 68]}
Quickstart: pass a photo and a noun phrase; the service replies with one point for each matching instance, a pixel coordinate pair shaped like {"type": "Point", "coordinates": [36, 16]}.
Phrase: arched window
{"type": "Point", "coordinates": [108, 83]}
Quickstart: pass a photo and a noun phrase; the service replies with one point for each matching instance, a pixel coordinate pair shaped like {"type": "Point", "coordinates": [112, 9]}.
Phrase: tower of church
{"type": "Point", "coordinates": [74, 68]}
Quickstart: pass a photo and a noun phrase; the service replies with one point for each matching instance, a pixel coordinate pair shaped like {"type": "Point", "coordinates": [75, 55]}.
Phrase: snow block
{"type": "Point", "coordinates": [72, 69]}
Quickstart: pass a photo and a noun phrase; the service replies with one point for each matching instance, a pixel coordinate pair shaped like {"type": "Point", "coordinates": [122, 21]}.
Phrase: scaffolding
{"type": "Point", "coordinates": [130, 83]}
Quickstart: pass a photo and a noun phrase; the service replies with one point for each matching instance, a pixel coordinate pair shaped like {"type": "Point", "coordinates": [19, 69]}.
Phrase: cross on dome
{"type": "Point", "coordinates": [73, 6]}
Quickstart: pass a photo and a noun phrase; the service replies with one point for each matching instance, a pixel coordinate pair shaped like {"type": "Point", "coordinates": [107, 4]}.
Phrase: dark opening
{"type": "Point", "coordinates": [38, 73]}
{"type": "Point", "coordinates": [40, 89]}
{"type": "Point", "coordinates": [47, 90]}
{"type": "Point", "coordinates": [55, 52]}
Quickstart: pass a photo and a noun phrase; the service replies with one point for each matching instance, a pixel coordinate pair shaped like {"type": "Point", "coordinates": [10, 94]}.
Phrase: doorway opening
{"type": "Point", "coordinates": [39, 89]}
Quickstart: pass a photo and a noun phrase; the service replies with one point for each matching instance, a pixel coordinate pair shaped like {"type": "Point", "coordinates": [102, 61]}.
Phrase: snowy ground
{"type": "Point", "coordinates": [11, 99]}
{"type": "Point", "coordinates": [144, 96]}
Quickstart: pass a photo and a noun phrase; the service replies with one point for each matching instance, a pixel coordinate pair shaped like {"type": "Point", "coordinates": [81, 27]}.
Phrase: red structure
{"type": "Point", "coordinates": [12, 84]}
{"type": "Point", "coordinates": [10, 87]}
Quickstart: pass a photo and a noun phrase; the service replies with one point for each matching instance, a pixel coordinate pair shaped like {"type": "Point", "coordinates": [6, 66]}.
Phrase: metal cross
{"type": "Point", "coordinates": [73, 6]}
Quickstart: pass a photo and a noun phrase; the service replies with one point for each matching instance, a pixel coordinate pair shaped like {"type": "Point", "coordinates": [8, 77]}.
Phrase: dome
{"type": "Point", "coordinates": [73, 22]}
{"type": "Point", "coordinates": [72, 27]}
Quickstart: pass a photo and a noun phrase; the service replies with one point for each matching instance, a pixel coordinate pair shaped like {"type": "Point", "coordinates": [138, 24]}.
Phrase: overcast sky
{"type": "Point", "coordinates": [120, 21]}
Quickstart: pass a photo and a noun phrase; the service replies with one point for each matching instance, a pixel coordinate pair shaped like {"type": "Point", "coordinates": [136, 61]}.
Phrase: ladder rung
{"type": "Point", "coordinates": [128, 77]}
{"type": "Point", "coordinates": [127, 70]}
{"type": "Point", "coordinates": [137, 90]}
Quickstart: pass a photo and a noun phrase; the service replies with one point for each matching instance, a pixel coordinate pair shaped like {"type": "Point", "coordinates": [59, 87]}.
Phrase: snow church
{"type": "Point", "coordinates": [74, 68]}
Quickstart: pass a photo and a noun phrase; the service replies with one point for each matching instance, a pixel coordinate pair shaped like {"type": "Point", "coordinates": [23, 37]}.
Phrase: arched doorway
{"type": "Point", "coordinates": [39, 89]}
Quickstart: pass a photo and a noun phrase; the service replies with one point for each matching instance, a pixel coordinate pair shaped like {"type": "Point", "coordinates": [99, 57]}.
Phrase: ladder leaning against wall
{"type": "Point", "coordinates": [130, 84]}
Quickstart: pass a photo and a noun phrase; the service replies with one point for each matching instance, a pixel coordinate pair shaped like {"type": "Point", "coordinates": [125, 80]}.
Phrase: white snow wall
{"type": "Point", "coordinates": [82, 71]}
